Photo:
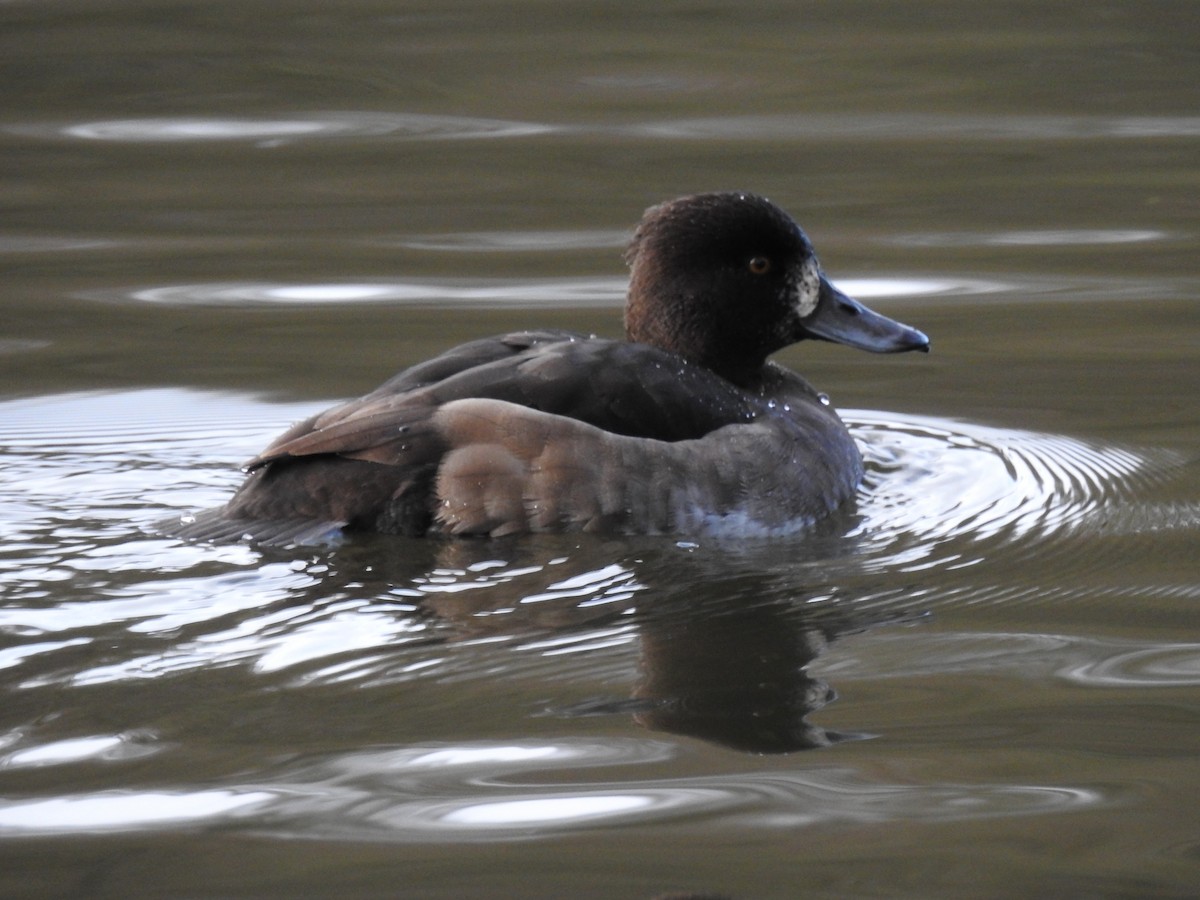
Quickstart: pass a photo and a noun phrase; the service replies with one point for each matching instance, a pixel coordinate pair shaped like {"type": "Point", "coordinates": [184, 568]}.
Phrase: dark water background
{"type": "Point", "coordinates": [218, 218]}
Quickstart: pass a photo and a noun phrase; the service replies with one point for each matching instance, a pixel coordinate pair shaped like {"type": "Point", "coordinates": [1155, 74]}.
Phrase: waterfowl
{"type": "Point", "coordinates": [684, 428]}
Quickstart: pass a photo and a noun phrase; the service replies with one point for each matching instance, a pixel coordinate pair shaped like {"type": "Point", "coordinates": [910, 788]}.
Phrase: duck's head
{"type": "Point", "coordinates": [726, 279]}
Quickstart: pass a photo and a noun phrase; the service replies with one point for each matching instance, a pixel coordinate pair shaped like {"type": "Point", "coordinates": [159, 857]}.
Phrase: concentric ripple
{"type": "Point", "coordinates": [1170, 665]}
{"type": "Point", "coordinates": [934, 482]}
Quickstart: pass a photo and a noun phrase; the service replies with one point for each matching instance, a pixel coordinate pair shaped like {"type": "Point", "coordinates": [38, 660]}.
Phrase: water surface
{"type": "Point", "coordinates": [981, 679]}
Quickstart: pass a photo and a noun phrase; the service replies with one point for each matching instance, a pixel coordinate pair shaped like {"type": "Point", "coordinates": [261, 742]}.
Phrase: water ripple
{"type": "Point", "coordinates": [939, 496]}
{"type": "Point", "coordinates": [518, 241]}
{"type": "Point", "coordinates": [512, 791]}
{"type": "Point", "coordinates": [271, 131]}
{"type": "Point", "coordinates": [930, 482]}
{"type": "Point", "coordinates": [1169, 665]}
{"type": "Point", "coordinates": [1083, 660]}
{"type": "Point", "coordinates": [1049, 238]}
{"type": "Point", "coordinates": [274, 131]}
{"type": "Point", "coordinates": [124, 811]}
{"type": "Point", "coordinates": [14, 244]}
{"type": "Point", "coordinates": [94, 748]}
{"type": "Point", "coordinates": [909, 126]}
{"type": "Point", "coordinates": [572, 292]}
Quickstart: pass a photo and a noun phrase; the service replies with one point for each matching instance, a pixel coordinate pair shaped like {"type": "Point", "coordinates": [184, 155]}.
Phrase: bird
{"type": "Point", "coordinates": [685, 427]}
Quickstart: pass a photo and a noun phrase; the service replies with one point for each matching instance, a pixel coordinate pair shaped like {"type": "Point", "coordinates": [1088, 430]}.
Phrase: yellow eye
{"type": "Point", "coordinates": [759, 265]}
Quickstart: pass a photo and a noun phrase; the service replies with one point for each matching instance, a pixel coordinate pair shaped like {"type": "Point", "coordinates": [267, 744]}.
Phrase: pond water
{"type": "Point", "coordinates": [981, 679]}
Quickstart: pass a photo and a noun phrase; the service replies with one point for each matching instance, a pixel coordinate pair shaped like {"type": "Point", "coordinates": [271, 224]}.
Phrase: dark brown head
{"type": "Point", "coordinates": [726, 279]}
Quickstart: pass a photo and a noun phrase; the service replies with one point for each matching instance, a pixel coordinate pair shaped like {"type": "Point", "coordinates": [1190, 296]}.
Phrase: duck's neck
{"type": "Point", "coordinates": [671, 328]}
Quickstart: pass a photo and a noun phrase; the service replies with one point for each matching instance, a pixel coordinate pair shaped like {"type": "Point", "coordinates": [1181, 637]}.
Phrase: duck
{"type": "Point", "coordinates": [685, 427]}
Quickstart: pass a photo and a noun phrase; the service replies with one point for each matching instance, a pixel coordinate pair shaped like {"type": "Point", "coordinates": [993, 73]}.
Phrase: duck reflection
{"type": "Point", "coordinates": [737, 677]}
{"type": "Point", "coordinates": [724, 636]}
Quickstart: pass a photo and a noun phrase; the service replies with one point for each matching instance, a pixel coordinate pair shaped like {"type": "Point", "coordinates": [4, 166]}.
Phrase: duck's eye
{"type": "Point", "coordinates": [759, 265]}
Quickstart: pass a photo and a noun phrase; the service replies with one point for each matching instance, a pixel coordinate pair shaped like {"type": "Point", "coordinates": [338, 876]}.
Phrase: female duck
{"type": "Point", "coordinates": [684, 428]}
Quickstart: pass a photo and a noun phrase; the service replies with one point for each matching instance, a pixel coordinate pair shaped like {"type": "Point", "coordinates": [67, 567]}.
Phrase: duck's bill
{"type": "Point", "coordinates": [844, 320]}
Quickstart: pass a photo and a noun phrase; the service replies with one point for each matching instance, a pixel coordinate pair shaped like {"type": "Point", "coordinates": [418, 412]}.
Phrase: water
{"type": "Point", "coordinates": [980, 680]}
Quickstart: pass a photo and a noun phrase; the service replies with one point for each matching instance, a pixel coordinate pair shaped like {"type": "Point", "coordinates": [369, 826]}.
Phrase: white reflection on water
{"type": "Point", "coordinates": [194, 129]}
{"type": "Point", "coordinates": [517, 241]}
{"type": "Point", "coordinates": [289, 129]}
{"type": "Point", "coordinates": [13, 656]}
{"type": "Point", "coordinates": [124, 810]}
{"type": "Point", "coordinates": [545, 811]}
{"type": "Point", "coordinates": [1049, 238]}
{"type": "Point", "coordinates": [899, 286]}
{"type": "Point", "coordinates": [574, 292]}
{"type": "Point", "coordinates": [481, 755]}
{"type": "Point", "coordinates": [165, 606]}
{"type": "Point", "coordinates": [97, 748]}
{"type": "Point", "coordinates": [72, 750]}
